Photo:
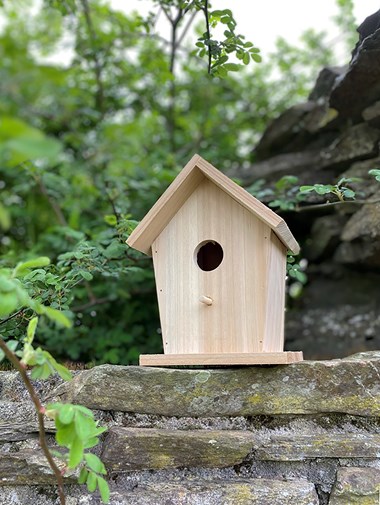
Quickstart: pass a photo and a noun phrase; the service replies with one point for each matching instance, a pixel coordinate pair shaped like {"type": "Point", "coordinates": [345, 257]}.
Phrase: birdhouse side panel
{"type": "Point", "coordinates": [206, 306]}
{"type": "Point", "coordinates": [275, 307]}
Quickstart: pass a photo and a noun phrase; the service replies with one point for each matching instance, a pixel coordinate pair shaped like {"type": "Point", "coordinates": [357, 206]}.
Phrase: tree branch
{"type": "Point", "coordinates": [205, 11]}
{"type": "Point", "coordinates": [99, 98]}
{"type": "Point", "coordinates": [326, 205]}
{"type": "Point", "coordinates": [56, 208]}
{"type": "Point", "coordinates": [3, 321]}
{"type": "Point", "coordinates": [40, 414]}
{"type": "Point", "coordinates": [91, 303]}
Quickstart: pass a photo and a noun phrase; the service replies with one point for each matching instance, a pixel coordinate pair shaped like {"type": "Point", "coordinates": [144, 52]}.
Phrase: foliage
{"type": "Point", "coordinates": [376, 173]}
{"type": "Point", "coordinates": [284, 195]}
{"type": "Point", "coordinates": [89, 141]}
{"type": "Point", "coordinates": [340, 190]}
{"type": "Point", "coordinates": [219, 51]}
{"type": "Point", "coordinates": [76, 428]}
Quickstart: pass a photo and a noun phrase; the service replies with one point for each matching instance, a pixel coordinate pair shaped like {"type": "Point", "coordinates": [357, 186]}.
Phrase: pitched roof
{"type": "Point", "coordinates": [183, 186]}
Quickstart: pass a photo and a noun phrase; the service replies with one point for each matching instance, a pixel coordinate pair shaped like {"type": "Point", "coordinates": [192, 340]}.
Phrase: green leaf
{"type": "Point", "coordinates": [86, 275]}
{"type": "Point", "coordinates": [348, 193]}
{"type": "Point", "coordinates": [6, 285]}
{"type": "Point", "coordinates": [94, 463]}
{"type": "Point", "coordinates": [25, 148]}
{"type": "Point", "coordinates": [85, 411]}
{"type": "Point", "coordinates": [111, 218]}
{"type": "Point", "coordinates": [65, 433]}
{"type": "Point", "coordinates": [217, 13]}
{"type": "Point", "coordinates": [43, 261]}
{"type": "Point", "coordinates": [91, 481]}
{"type": "Point", "coordinates": [63, 372]}
{"type": "Point", "coordinates": [76, 452]}
{"type": "Point", "coordinates": [246, 58]}
{"type": "Point", "coordinates": [12, 345]}
{"type": "Point", "coordinates": [83, 476]}
{"type": "Point", "coordinates": [92, 442]}
{"type": "Point", "coordinates": [66, 414]}
{"type": "Point", "coordinates": [41, 371]}
{"type": "Point", "coordinates": [256, 57]}
{"type": "Point", "coordinates": [104, 489]}
{"type": "Point", "coordinates": [232, 67]}
{"type": "Point", "coordinates": [306, 189]}
{"type": "Point", "coordinates": [31, 330]}
{"type": "Point", "coordinates": [114, 250]}
{"type": "Point", "coordinates": [84, 426]}
{"type": "Point", "coordinates": [57, 316]}
{"type": "Point", "coordinates": [9, 303]}
{"type": "Point", "coordinates": [376, 173]}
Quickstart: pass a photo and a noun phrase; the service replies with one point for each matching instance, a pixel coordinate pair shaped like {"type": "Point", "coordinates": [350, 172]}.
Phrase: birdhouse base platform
{"type": "Point", "coordinates": [236, 358]}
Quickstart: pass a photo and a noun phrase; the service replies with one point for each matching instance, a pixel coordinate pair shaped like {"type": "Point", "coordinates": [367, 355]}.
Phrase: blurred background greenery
{"type": "Point", "coordinates": [88, 145]}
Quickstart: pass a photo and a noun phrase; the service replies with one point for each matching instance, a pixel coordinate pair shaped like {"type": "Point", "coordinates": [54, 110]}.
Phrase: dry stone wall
{"type": "Point", "coordinates": [305, 434]}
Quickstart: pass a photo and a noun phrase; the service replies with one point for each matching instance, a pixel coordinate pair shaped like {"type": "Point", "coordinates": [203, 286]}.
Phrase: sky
{"type": "Point", "coordinates": [265, 20]}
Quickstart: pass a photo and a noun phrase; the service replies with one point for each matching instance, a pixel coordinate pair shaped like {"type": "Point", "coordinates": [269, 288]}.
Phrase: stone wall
{"type": "Point", "coordinates": [303, 434]}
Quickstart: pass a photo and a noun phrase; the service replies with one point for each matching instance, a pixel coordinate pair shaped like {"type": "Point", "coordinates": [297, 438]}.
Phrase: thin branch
{"type": "Point", "coordinates": [330, 204]}
{"type": "Point", "coordinates": [186, 29]}
{"type": "Point", "coordinates": [3, 321]}
{"type": "Point", "coordinates": [205, 11]}
{"type": "Point", "coordinates": [40, 414]}
{"type": "Point", "coordinates": [112, 203]}
{"type": "Point", "coordinates": [99, 98]}
{"type": "Point", "coordinates": [56, 208]}
{"type": "Point", "coordinates": [91, 303]}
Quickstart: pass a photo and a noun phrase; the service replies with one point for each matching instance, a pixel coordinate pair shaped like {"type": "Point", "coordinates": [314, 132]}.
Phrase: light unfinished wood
{"type": "Point", "coordinates": [182, 187]}
{"type": "Point", "coordinates": [247, 289]}
{"type": "Point", "coordinates": [275, 296]}
{"type": "Point", "coordinates": [264, 358]}
{"type": "Point", "coordinates": [206, 300]}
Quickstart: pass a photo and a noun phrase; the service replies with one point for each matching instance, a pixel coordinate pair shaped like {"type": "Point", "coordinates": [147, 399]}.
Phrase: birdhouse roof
{"type": "Point", "coordinates": [183, 186]}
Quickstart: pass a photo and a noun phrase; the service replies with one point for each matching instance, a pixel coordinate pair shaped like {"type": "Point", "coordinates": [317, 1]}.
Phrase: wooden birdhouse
{"type": "Point", "coordinates": [219, 259]}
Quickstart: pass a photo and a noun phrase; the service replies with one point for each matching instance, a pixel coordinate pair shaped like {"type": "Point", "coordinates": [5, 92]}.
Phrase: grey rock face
{"type": "Point", "coordinates": [301, 388]}
{"type": "Point", "coordinates": [26, 467]}
{"type": "Point", "coordinates": [325, 83]}
{"type": "Point", "coordinates": [143, 449]}
{"type": "Point", "coordinates": [356, 486]}
{"type": "Point", "coordinates": [335, 134]}
{"type": "Point", "coordinates": [191, 492]}
{"type": "Point", "coordinates": [360, 86]}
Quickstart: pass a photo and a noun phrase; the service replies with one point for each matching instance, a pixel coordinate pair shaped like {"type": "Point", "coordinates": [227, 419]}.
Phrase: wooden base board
{"type": "Point", "coordinates": [260, 358]}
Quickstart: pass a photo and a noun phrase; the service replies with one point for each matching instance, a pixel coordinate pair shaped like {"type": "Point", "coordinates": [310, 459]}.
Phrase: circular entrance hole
{"type": "Point", "coordinates": [209, 255]}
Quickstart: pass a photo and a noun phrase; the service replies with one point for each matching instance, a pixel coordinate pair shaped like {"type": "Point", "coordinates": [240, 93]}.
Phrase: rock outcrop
{"type": "Point", "coordinates": [335, 134]}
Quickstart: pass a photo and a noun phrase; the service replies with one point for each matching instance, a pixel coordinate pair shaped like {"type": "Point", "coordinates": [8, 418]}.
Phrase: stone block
{"type": "Point", "coordinates": [319, 445]}
{"type": "Point", "coordinates": [27, 467]}
{"type": "Point", "coordinates": [144, 449]}
{"type": "Point", "coordinates": [359, 486]}
{"type": "Point", "coordinates": [309, 387]}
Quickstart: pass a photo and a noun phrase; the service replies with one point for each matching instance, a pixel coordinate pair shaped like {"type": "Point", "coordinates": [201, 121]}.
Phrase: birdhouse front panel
{"type": "Point", "coordinates": [220, 277]}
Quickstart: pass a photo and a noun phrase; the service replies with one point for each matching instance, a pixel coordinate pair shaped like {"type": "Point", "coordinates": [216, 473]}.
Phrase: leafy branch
{"type": "Point", "coordinates": [339, 189]}
{"type": "Point", "coordinates": [76, 428]}
{"type": "Point", "coordinates": [219, 51]}
{"type": "Point", "coordinates": [286, 195]}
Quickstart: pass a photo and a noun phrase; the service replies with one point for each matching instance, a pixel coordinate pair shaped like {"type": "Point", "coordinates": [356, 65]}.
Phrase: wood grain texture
{"type": "Point", "coordinates": [182, 187]}
{"type": "Point", "coordinates": [165, 208]}
{"type": "Point", "coordinates": [247, 289]}
{"type": "Point", "coordinates": [265, 358]}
